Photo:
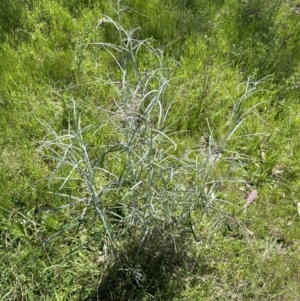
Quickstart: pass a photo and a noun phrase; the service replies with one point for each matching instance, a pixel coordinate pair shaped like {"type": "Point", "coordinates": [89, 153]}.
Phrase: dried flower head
{"type": "Point", "coordinates": [252, 196]}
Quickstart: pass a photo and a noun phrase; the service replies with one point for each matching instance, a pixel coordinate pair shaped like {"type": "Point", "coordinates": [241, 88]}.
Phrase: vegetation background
{"type": "Point", "coordinates": [99, 202]}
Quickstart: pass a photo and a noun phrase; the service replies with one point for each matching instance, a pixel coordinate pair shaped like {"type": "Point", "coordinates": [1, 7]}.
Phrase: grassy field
{"type": "Point", "coordinates": [132, 134]}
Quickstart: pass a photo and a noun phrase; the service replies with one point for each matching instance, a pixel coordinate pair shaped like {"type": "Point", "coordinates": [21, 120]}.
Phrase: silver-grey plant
{"type": "Point", "coordinates": [141, 187]}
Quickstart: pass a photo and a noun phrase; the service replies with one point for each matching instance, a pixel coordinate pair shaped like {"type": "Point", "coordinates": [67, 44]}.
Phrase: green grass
{"type": "Point", "coordinates": [110, 179]}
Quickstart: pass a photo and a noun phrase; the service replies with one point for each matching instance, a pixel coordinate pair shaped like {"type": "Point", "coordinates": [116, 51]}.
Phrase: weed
{"type": "Point", "coordinates": [144, 195]}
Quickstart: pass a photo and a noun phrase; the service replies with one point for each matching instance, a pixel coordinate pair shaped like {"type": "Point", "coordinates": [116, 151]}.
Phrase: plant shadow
{"type": "Point", "coordinates": [147, 271]}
